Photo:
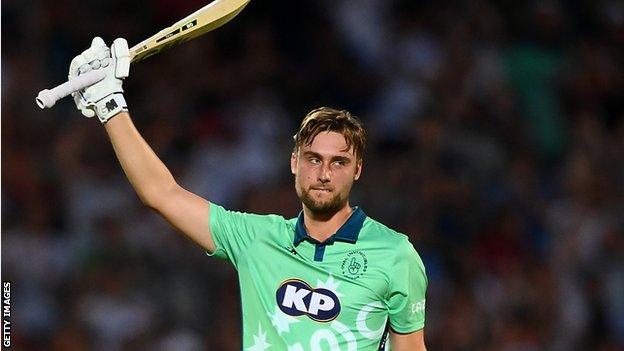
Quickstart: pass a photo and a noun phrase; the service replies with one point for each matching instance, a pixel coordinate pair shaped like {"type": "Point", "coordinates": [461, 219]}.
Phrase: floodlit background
{"type": "Point", "coordinates": [496, 142]}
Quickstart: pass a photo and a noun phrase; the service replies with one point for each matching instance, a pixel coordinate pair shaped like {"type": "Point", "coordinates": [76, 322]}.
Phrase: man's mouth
{"type": "Point", "coordinates": [327, 190]}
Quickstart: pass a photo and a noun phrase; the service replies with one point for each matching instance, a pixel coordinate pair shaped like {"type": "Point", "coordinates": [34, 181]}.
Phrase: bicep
{"type": "Point", "coordinates": [188, 213]}
{"type": "Point", "coordinates": [408, 342]}
{"type": "Point", "coordinates": [406, 296]}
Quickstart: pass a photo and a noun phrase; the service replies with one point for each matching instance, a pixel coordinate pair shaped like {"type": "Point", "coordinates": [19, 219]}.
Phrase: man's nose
{"type": "Point", "coordinates": [325, 174]}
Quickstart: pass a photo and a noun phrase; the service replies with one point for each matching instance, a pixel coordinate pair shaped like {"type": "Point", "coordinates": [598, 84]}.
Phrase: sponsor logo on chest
{"type": "Point", "coordinates": [296, 298]}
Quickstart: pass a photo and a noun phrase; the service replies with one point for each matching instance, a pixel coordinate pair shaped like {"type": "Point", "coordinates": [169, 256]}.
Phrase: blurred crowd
{"type": "Point", "coordinates": [496, 142]}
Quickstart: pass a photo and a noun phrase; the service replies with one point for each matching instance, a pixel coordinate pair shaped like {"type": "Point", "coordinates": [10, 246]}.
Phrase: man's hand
{"type": "Point", "coordinates": [104, 98]}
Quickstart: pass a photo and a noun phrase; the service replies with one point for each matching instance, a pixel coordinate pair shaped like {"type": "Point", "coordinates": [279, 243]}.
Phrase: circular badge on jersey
{"type": "Point", "coordinates": [354, 264]}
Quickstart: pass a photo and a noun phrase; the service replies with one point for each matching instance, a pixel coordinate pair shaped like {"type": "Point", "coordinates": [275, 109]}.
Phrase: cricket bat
{"type": "Point", "coordinates": [199, 22]}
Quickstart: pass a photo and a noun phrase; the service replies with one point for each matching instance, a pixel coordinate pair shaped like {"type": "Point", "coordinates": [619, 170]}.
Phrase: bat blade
{"type": "Point", "coordinates": [207, 18]}
{"type": "Point", "coordinates": [202, 21]}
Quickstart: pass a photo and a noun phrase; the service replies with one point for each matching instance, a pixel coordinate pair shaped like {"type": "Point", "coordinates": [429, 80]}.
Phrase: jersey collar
{"type": "Point", "coordinates": [349, 231]}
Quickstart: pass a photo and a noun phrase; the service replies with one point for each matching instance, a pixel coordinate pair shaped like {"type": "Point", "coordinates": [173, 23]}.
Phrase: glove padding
{"type": "Point", "coordinates": [104, 98]}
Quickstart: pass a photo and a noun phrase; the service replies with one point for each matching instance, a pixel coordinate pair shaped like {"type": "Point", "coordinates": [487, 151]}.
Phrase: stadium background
{"type": "Point", "coordinates": [496, 141]}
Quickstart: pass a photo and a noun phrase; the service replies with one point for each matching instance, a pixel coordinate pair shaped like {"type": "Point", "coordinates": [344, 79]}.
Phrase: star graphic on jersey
{"type": "Point", "coordinates": [330, 284]}
{"type": "Point", "coordinates": [260, 342]}
{"type": "Point", "coordinates": [281, 320]}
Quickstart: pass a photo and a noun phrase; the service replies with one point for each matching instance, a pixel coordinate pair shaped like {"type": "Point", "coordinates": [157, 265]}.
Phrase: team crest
{"type": "Point", "coordinates": [355, 264]}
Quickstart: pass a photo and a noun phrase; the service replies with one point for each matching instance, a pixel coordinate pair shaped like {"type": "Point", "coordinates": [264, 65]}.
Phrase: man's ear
{"type": "Point", "coordinates": [358, 170]}
{"type": "Point", "coordinates": [293, 163]}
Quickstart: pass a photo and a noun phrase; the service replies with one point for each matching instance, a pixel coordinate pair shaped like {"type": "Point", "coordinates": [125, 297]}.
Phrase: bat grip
{"type": "Point", "coordinates": [48, 97]}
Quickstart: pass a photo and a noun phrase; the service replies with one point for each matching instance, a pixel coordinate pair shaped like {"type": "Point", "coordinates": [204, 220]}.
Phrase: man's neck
{"type": "Point", "coordinates": [321, 227]}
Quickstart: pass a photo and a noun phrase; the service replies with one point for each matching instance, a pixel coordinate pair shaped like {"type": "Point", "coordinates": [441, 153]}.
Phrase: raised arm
{"type": "Point", "coordinates": [155, 184]}
{"type": "Point", "coordinates": [148, 175]}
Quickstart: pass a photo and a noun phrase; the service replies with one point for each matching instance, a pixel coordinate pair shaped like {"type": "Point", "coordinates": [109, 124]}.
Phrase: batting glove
{"type": "Point", "coordinates": [104, 98]}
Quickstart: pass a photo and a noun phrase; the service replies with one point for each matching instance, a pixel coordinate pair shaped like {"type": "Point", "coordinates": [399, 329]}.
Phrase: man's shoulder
{"type": "Point", "coordinates": [377, 230]}
{"type": "Point", "coordinates": [398, 245]}
{"type": "Point", "coordinates": [270, 218]}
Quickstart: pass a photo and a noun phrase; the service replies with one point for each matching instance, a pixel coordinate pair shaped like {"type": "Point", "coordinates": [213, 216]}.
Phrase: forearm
{"type": "Point", "coordinates": [150, 178]}
{"type": "Point", "coordinates": [408, 342]}
{"type": "Point", "coordinates": [148, 175]}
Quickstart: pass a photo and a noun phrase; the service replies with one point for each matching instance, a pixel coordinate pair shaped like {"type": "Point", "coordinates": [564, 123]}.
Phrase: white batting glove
{"type": "Point", "coordinates": [104, 98]}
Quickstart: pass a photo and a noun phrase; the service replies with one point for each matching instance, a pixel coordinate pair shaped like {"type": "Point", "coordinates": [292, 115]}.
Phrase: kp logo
{"type": "Point", "coordinates": [296, 297]}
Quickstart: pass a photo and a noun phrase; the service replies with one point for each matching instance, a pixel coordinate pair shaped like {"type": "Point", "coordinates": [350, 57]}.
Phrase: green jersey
{"type": "Point", "coordinates": [299, 294]}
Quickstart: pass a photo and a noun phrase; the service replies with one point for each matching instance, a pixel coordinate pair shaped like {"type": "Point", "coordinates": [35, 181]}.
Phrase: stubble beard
{"type": "Point", "coordinates": [319, 207]}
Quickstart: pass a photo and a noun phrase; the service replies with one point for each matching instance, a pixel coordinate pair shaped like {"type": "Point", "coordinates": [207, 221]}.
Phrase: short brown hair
{"type": "Point", "coordinates": [326, 119]}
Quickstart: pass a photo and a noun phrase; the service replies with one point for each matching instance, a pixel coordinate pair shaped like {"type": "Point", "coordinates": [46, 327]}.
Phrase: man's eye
{"type": "Point", "coordinates": [314, 161]}
{"type": "Point", "coordinates": [339, 163]}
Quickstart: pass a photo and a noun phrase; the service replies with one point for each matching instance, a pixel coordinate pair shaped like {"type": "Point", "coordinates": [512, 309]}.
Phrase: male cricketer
{"type": "Point", "coordinates": [330, 279]}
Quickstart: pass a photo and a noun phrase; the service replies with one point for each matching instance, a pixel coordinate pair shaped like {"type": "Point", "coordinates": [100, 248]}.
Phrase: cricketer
{"type": "Point", "coordinates": [330, 279]}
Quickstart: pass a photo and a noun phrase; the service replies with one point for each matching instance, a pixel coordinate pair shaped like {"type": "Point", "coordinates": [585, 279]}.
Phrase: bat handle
{"type": "Point", "coordinates": [48, 97]}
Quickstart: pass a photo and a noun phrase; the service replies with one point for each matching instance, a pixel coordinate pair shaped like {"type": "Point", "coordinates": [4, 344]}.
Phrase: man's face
{"type": "Point", "coordinates": [324, 173]}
